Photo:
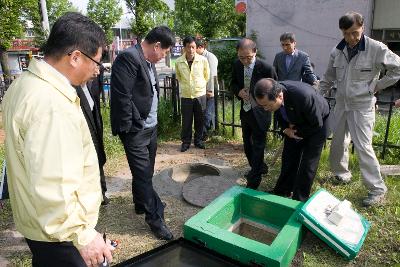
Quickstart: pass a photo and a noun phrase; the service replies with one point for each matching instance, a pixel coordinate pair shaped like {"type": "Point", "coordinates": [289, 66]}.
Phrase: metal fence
{"type": "Point", "coordinates": [225, 99]}
{"type": "Point", "coordinates": [169, 90]}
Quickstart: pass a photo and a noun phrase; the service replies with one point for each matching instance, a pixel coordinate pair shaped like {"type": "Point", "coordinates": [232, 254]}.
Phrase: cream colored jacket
{"type": "Point", "coordinates": [192, 82]}
{"type": "Point", "coordinates": [52, 165]}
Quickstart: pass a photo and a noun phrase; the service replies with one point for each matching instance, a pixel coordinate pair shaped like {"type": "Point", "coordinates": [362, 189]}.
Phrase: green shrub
{"type": "Point", "coordinates": [392, 155]}
{"type": "Point", "coordinates": [168, 126]}
{"type": "Point", "coordinates": [226, 56]}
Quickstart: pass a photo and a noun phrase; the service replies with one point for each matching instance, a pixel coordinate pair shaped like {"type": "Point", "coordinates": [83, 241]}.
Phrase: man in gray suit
{"type": "Point", "coordinates": [293, 64]}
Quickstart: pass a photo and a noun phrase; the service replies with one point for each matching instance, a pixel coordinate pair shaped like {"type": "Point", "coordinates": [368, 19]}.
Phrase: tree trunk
{"type": "Point", "coordinates": [4, 65]}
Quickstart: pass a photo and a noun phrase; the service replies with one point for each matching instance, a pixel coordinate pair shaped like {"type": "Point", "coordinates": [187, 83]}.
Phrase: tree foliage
{"type": "Point", "coordinates": [211, 19]}
{"type": "Point", "coordinates": [13, 14]}
{"type": "Point", "coordinates": [226, 55]}
{"type": "Point", "coordinates": [148, 14]}
{"type": "Point", "coordinates": [55, 9]}
{"type": "Point", "coordinates": [13, 20]}
{"type": "Point", "coordinates": [106, 13]}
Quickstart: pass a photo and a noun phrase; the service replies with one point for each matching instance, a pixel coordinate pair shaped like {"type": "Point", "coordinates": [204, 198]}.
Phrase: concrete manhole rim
{"type": "Point", "coordinates": [165, 185]}
{"type": "Point", "coordinates": [191, 171]}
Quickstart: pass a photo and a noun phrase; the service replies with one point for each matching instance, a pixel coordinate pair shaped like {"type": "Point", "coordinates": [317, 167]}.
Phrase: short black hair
{"type": "Point", "coordinates": [74, 31]}
{"type": "Point", "coordinates": [267, 87]}
{"type": "Point", "coordinates": [189, 40]}
{"type": "Point", "coordinates": [246, 43]}
{"type": "Point", "coordinates": [347, 20]}
{"type": "Point", "coordinates": [288, 36]}
{"type": "Point", "coordinates": [161, 34]}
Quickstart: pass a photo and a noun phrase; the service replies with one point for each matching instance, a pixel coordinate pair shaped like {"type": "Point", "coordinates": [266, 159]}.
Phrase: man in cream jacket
{"type": "Point", "coordinates": [52, 164]}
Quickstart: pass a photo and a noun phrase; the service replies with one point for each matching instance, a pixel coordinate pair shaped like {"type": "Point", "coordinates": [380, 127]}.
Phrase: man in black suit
{"type": "Point", "coordinates": [133, 101]}
{"type": "Point", "coordinates": [91, 110]}
{"type": "Point", "coordinates": [302, 114]}
{"type": "Point", "coordinates": [247, 70]}
{"type": "Point", "coordinates": [96, 87]}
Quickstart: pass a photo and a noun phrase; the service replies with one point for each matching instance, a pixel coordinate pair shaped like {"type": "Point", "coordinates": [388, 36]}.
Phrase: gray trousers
{"type": "Point", "coordinates": [358, 126]}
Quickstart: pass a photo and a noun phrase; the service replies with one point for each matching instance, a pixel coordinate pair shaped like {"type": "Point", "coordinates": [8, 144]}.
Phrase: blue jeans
{"type": "Point", "coordinates": [209, 115]}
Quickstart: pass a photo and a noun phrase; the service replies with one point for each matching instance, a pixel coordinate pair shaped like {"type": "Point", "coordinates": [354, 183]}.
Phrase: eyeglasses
{"type": "Point", "coordinates": [99, 65]}
{"type": "Point", "coordinates": [246, 57]}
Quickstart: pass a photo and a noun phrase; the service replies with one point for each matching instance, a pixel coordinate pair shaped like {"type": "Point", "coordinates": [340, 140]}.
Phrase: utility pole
{"type": "Point", "coordinates": [45, 19]}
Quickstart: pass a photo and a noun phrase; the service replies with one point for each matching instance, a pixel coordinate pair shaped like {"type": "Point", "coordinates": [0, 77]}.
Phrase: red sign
{"type": "Point", "coordinates": [241, 6]}
{"type": "Point", "coordinates": [23, 44]}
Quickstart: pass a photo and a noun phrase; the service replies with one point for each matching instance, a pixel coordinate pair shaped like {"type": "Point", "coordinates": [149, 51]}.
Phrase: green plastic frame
{"type": "Point", "coordinates": [210, 227]}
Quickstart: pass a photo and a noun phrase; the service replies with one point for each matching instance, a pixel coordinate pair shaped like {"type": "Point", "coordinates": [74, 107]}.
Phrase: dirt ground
{"type": "Point", "coordinates": [129, 228]}
{"type": "Point", "coordinates": [120, 222]}
{"type": "Point", "coordinates": [118, 219]}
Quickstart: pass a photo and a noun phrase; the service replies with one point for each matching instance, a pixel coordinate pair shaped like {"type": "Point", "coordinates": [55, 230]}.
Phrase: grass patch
{"type": "Point", "coordinates": [112, 145]}
{"type": "Point", "coordinates": [382, 245]}
{"type": "Point", "coordinates": [231, 116]}
{"type": "Point", "coordinates": [169, 128]}
{"type": "Point", "coordinates": [392, 155]}
{"type": "Point", "coordinates": [21, 259]}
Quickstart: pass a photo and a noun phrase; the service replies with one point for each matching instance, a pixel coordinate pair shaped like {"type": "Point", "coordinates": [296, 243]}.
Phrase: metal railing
{"type": "Point", "coordinates": [224, 98]}
{"type": "Point", "coordinates": [170, 90]}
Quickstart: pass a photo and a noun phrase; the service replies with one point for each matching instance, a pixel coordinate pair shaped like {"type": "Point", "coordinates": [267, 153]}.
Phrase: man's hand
{"type": "Point", "coordinates": [397, 103]}
{"type": "Point", "coordinates": [210, 94]}
{"type": "Point", "coordinates": [291, 133]}
{"type": "Point", "coordinates": [94, 253]}
{"type": "Point", "coordinates": [244, 94]}
{"type": "Point", "coordinates": [316, 84]}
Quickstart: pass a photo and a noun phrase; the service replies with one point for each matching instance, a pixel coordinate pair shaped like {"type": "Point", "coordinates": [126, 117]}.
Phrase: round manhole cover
{"type": "Point", "coordinates": [187, 171]}
{"type": "Point", "coordinates": [201, 191]}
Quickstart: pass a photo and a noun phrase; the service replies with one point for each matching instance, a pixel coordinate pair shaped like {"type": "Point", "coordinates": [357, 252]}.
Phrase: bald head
{"type": "Point", "coordinates": [268, 93]}
{"type": "Point", "coordinates": [267, 87]}
{"type": "Point", "coordinates": [246, 50]}
{"type": "Point", "coordinates": [245, 44]}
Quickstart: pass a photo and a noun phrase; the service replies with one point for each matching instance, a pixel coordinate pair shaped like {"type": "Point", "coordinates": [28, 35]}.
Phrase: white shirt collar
{"type": "Point", "coordinates": [56, 73]}
{"type": "Point", "coordinates": [253, 62]}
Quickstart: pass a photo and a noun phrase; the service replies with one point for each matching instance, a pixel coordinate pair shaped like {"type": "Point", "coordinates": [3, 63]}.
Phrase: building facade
{"type": "Point", "coordinates": [314, 22]}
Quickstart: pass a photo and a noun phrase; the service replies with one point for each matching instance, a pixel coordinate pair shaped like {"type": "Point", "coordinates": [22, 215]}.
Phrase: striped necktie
{"type": "Point", "coordinates": [246, 80]}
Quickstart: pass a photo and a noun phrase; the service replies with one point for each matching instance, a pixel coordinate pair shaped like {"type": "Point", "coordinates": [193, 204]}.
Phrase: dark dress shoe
{"type": "Point", "coordinates": [139, 210]}
{"type": "Point", "coordinates": [105, 200]}
{"type": "Point", "coordinates": [200, 145]}
{"type": "Point", "coordinates": [184, 147]}
{"type": "Point", "coordinates": [252, 186]}
{"type": "Point", "coordinates": [281, 194]}
{"type": "Point", "coordinates": [161, 231]}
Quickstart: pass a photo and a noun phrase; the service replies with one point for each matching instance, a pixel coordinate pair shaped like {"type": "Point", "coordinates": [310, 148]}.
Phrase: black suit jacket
{"type": "Point", "coordinates": [261, 70]}
{"type": "Point", "coordinates": [95, 123]}
{"type": "Point", "coordinates": [131, 91]}
{"type": "Point", "coordinates": [96, 87]}
{"type": "Point", "coordinates": [305, 108]}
